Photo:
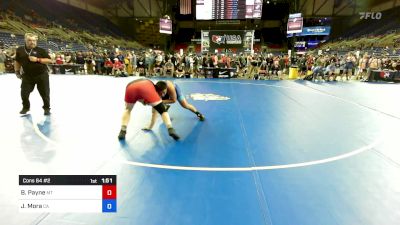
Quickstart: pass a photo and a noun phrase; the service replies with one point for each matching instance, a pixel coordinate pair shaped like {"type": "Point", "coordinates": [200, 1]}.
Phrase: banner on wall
{"type": "Point", "coordinates": [300, 44]}
{"type": "Point", "coordinates": [318, 30]}
{"type": "Point", "coordinates": [312, 44]}
{"type": "Point", "coordinates": [227, 39]}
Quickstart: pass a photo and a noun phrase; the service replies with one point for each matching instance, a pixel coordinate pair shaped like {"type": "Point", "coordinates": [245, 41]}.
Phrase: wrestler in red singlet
{"type": "Point", "coordinates": [142, 90]}
{"type": "Point", "coordinates": [145, 91]}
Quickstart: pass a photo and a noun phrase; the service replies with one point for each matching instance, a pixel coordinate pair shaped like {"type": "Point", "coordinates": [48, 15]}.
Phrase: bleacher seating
{"type": "Point", "coordinates": [70, 28]}
{"type": "Point", "coordinates": [373, 36]}
{"type": "Point", "coordinates": [63, 14]}
{"type": "Point", "coordinates": [53, 44]}
{"type": "Point", "coordinates": [390, 21]}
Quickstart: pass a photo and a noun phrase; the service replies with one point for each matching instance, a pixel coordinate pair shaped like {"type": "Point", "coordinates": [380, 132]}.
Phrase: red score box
{"type": "Point", "coordinates": [109, 191]}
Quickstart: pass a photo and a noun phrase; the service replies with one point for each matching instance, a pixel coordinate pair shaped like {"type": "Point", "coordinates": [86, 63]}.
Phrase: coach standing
{"type": "Point", "coordinates": [33, 61]}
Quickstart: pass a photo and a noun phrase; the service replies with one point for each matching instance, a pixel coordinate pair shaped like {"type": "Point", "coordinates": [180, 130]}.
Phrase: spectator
{"type": "Point", "coordinates": [158, 67]}
{"type": "Point", "coordinates": [180, 71]}
{"type": "Point", "coordinates": [128, 63]}
{"type": "Point", "coordinates": [108, 65]}
{"type": "Point", "coordinates": [169, 68]}
{"type": "Point", "coordinates": [262, 71]}
{"type": "Point", "coordinates": [80, 60]}
{"type": "Point", "coordinates": [59, 59]}
{"type": "Point", "coordinates": [2, 61]}
{"type": "Point", "coordinates": [118, 68]}
{"type": "Point", "coordinates": [141, 66]}
{"type": "Point", "coordinates": [89, 62]}
{"type": "Point", "coordinates": [363, 66]}
{"type": "Point", "coordinates": [134, 63]}
{"type": "Point", "coordinates": [68, 58]}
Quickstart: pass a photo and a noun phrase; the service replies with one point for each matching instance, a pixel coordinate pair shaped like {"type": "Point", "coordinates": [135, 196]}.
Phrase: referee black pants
{"type": "Point", "coordinates": [43, 86]}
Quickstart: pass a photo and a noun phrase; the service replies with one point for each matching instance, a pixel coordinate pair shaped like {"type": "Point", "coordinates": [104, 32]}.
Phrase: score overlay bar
{"type": "Point", "coordinates": [68, 193]}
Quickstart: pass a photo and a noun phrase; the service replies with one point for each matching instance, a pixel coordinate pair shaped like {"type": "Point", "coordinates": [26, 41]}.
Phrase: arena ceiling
{"type": "Point", "coordinates": [155, 8]}
{"type": "Point", "coordinates": [337, 8]}
{"type": "Point", "coordinates": [141, 16]}
{"type": "Point", "coordinates": [134, 8]}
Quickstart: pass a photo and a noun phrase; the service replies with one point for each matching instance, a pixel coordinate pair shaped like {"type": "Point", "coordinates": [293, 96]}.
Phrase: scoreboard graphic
{"type": "Point", "coordinates": [68, 193]}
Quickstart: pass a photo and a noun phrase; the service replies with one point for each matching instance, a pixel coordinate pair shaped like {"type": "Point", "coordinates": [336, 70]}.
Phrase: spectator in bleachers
{"type": "Point", "coordinates": [169, 68]}
{"type": "Point", "coordinates": [68, 58]}
{"type": "Point", "coordinates": [286, 62]}
{"type": "Point", "coordinates": [342, 63]}
{"type": "Point", "coordinates": [2, 61]}
{"type": "Point", "coordinates": [118, 68]}
{"type": "Point", "coordinates": [242, 64]}
{"type": "Point", "coordinates": [180, 70]}
{"type": "Point", "coordinates": [310, 62]}
{"type": "Point", "coordinates": [253, 68]}
{"type": "Point", "coordinates": [374, 64]}
{"type": "Point", "coordinates": [149, 61]}
{"type": "Point", "coordinates": [141, 65]}
{"type": "Point", "coordinates": [248, 65]}
{"type": "Point", "coordinates": [262, 71]}
{"type": "Point", "coordinates": [159, 64]}
{"type": "Point", "coordinates": [108, 66]}
{"type": "Point", "coordinates": [196, 65]}
{"type": "Point", "coordinates": [318, 69]}
{"type": "Point", "coordinates": [349, 66]}
{"type": "Point", "coordinates": [204, 61]}
{"type": "Point", "coordinates": [52, 56]}
{"type": "Point", "coordinates": [301, 64]}
{"type": "Point", "coordinates": [363, 67]}
{"type": "Point", "coordinates": [221, 61]}
{"type": "Point", "coordinates": [282, 65]}
{"type": "Point", "coordinates": [396, 65]}
{"type": "Point", "coordinates": [80, 60]}
{"type": "Point", "coordinates": [134, 63]}
{"type": "Point", "coordinates": [330, 71]}
{"type": "Point", "coordinates": [128, 63]}
{"type": "Point", "coordinates": [120, 56]}
{"type": "Point", "coordinates": [158, 67]}
{"type": "Point", "coordinates": [59, 59]}
{"type": "Point", "coordinates": [275, 68]}
{"type": "Point", "coordinates": [214, 60]}
{"type": "Point", "coordinates": [386, 63]}
{"type": "Point", "coordinates": [89, 63]}
{"type": "Point", "coordinates": [99, 63]}
{"type": "Point", "coordinates": [111, 55]}
{"type": "Point", "coordinates": [174, 59]}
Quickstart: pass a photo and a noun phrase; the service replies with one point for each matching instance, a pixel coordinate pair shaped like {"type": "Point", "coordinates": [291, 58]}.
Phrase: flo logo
{"type": "Point", "coordinates": [208, 97]}
{"type": "Point", "coordinates": [218, 39]}
{"type": "Point", "coordinates": [371, 15]}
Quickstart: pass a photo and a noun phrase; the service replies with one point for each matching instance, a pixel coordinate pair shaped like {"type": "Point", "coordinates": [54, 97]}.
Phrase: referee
{"type": "Point", "coordinates": [33, 61]}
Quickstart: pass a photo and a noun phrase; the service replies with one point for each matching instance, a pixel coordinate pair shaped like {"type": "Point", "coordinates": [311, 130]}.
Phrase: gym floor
{"type": "Point", "coordinates": [269, 152]}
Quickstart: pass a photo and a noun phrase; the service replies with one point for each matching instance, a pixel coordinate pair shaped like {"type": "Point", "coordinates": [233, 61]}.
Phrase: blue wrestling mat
{"type": "Point", "coordinates": [268, 153]}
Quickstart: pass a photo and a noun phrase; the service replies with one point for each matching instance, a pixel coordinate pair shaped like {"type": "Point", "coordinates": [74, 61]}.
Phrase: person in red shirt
{"type": "Point", "coordinates": [145, 91]}
{"type": "Point", "coordinates": [118, 67]}
{"type": "Point", "coordinates": [108, 64]}
{"type": "Point", "coordinates": [59, 60]}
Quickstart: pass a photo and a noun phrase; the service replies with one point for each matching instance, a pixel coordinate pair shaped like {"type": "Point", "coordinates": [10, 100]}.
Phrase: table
{"type": "Point", "coordinates": [61, 68]}
{"type": "Point", "coordinates": [217, 72]}
{"type": "Point", "coordinates": [385, 75]}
